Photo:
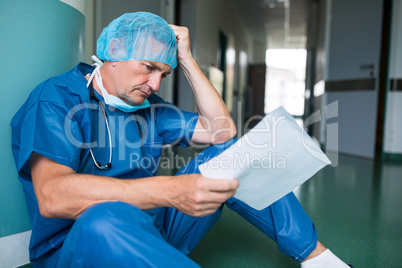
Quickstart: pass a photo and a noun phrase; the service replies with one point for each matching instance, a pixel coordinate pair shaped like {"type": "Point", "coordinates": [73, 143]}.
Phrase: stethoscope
{"type": "Point", "coordinates": [109, 164]}
{"type": "Point", "coordinates": [98, 164]}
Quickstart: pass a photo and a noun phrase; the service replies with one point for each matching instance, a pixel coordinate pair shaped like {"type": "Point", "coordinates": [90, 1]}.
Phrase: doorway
{"type": "Point", "coordinates": [285, 80]}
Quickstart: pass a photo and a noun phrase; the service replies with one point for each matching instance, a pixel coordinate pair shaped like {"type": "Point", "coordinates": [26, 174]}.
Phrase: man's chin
{"type": "Point", "coordinates": [139, 101]}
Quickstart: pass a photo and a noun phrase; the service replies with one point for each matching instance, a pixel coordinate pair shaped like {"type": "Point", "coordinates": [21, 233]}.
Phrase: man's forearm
{"type": "Point", "coordinates": [68, 196]}
{"type": "Point", "coordinates": [211, 108]}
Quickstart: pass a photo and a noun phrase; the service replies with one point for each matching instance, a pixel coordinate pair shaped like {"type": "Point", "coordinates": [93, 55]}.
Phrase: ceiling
{"type": "Point", "coordinates": [280, 23]}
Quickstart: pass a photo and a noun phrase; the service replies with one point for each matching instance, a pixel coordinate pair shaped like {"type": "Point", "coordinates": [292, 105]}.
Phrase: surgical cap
{"type": "Point", "coordinates": [138, 36]}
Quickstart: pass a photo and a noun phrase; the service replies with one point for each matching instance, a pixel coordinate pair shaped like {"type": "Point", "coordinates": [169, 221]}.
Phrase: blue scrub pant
{"type": "Point", "coordinates": [116, 234]}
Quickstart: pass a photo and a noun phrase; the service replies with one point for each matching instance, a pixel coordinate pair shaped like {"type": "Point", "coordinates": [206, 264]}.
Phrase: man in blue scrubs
{"type": "Point", "coordinates": [87, 145]}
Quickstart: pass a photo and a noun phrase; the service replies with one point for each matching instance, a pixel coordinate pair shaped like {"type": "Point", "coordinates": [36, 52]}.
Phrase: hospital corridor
{"type": "Point", "coordinates": [110, 109]}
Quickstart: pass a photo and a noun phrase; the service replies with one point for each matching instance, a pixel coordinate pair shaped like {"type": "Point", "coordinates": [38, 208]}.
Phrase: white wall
{"type": "Point", "coordinates": [187, 17]}
{"type": "Point", "coordinates": [259, 52]}
{"type": "Point", "coordinates": [205, 18]}
{"type": "Point", "coordinates": [114, 9]}
{"type": "Point", "coordinates": [355, 38]}
{"type": "Point", "coordinates": [212, 16]}
{"type": "Point", "coordinates": [393, 126]}
{"type": "Point", "coordinates": [90, 39]}
{"type": "Point", "coordinates": [356, 121]}
{"type": "Point", "coordinates": [395, 70]}
{"type": "Point", "coordinates": [352, 38]}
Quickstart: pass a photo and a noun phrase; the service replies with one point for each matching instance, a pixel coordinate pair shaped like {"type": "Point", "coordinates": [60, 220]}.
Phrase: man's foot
{"type": "Point", "coordinates": [323, 257]}
{"type": "Point", "coordinates": [317, 251]}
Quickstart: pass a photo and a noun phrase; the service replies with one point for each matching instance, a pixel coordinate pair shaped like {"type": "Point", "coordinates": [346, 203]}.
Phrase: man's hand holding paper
{"type": "Point", "coordinates": [272, 159]}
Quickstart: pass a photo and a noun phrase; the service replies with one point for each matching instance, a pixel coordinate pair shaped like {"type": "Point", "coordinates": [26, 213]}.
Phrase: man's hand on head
{"type": "Point", "coordinates": [197, 196]}
{"type": "Point", "coordinates": [183, 42]}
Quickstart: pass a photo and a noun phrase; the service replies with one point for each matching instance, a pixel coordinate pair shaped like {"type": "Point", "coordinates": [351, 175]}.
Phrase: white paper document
{"type": "Point", "coordinates": [272, 159]}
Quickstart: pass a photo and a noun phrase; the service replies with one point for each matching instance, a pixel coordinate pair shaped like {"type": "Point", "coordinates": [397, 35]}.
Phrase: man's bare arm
{"type": "Point", "coordinates": [215, 124]}
{"type": "Point", "coordinates": [62, 193]}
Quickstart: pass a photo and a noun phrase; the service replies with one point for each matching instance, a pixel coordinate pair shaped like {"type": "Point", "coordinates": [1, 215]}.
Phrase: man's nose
{"type": "Point", "coordinates": [154, 82]}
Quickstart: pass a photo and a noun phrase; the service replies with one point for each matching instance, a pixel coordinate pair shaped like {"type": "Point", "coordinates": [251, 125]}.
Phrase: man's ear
{"type": "Point", "coordinates": [115, 49]}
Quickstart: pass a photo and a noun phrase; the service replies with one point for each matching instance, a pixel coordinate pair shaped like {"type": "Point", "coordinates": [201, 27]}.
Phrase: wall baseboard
{"type": "Point", "coordinates": [14, 249]}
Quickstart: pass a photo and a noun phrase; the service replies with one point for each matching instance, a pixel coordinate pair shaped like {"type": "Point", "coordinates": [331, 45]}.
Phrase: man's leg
{"type": "Point", "coordinates": [116, 234]}
{"type": "Point", "coordinates": [285, 221]}
{"type": "Point", "coordinates": [185, 232]}
{"type": "Point", "coordinates": [182, 231]}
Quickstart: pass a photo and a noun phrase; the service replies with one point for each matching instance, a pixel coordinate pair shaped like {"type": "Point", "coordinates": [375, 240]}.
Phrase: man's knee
{"type": "Point", "coordinates": [97, 233]}
{"type": "Point", "coordinates": [104, 218]}
{"type": "Point", "coordinates": [116, 234]}
{"type": "Point", "coordinates": [105, 222]}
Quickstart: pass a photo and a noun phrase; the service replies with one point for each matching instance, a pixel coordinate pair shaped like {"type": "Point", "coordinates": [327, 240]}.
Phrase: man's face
{"type": "Point", "coordinates": [135, 80]}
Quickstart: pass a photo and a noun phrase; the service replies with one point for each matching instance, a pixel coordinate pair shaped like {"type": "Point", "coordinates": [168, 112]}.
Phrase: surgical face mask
{"type": "Point", "coordinates": [113, 100]}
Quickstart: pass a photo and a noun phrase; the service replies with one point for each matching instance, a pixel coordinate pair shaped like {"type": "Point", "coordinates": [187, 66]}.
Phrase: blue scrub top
{"type": "Point", "coordinates": [61, 122]}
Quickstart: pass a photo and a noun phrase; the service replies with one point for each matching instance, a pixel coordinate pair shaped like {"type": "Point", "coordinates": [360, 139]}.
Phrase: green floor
{"type": "Point", "coordinates": [356, 208]}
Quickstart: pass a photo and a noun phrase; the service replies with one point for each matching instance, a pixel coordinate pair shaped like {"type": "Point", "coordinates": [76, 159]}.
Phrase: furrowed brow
{"type": "Point", "coordinates": [159, 68]}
